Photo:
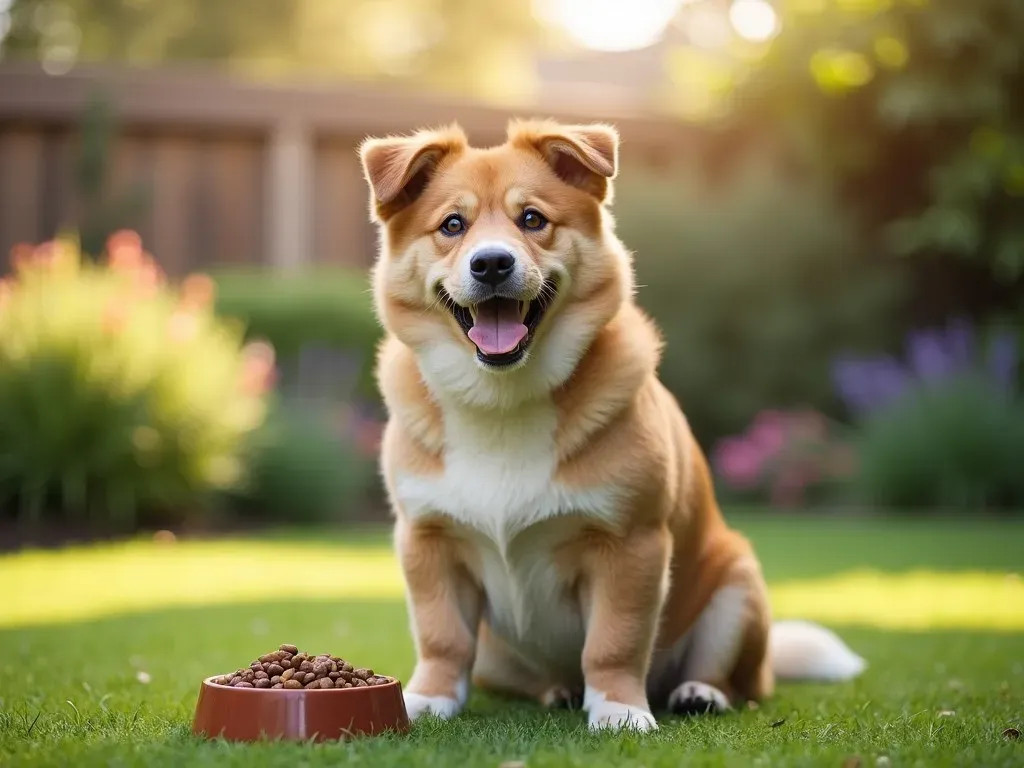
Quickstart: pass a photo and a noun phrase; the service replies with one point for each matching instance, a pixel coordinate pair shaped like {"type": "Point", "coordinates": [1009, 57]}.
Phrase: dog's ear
{"type": "Point", "coordinates": [585, 156]}
{"type": "Point", "coordinates": [398, 168]}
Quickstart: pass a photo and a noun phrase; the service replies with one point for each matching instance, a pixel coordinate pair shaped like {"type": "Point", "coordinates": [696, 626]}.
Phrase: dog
{"type": "Point", "coordinates": [555, 519]}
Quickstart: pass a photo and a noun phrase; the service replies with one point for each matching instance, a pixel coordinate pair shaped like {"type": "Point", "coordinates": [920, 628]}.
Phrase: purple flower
{"type": "Point", "coordinates": [928, 357]}
{"type": "Point", "coordinates": [960, 344]}
{"type": "Point", "coordinates": [934, 357]}
{"type": "Point", "coordinates": [1002, 361]}
{"type": "Point", "coordinates": [869, 384]}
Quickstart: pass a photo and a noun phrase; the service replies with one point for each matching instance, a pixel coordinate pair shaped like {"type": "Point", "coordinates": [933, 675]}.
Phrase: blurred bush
{"type": "Point", "coordinates": [122, 401]}
{"type": "Point", "coordinates": [943, 430]}
{"type": "Point", "coordinates": [757, 285]}
{"type": "Point", "coordinates": [331, 308]}
{"type": "Point", "coordinates": [305, 470]}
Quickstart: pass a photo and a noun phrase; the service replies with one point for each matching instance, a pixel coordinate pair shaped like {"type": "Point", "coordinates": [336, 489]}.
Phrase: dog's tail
{"type": "Point", "coordinates": [802, 650]}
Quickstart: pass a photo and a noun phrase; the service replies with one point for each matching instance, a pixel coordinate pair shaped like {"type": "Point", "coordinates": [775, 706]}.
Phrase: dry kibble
{"type": "Point", "coordinates": [288, 668]}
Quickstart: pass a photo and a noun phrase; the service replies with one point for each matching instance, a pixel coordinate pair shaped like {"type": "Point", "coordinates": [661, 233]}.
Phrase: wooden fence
{"type": "Point", "coordinates": [236, 173]}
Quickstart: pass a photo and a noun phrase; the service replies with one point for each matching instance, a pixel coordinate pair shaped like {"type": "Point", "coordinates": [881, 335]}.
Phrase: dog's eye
{"type": "Point", "coordinates": [453, 225]}
{"type": "Point", "coordinates": [533, 220]}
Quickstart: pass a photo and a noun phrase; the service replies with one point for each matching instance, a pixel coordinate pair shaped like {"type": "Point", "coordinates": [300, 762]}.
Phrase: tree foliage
{"type": "Point", "coordinates": [437, 43]}
{"type": "Point", "coordinates": [916, 109]}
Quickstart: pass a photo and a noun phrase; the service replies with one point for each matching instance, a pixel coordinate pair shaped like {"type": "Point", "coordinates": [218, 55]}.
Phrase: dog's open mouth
{"type": "Point", "coordinates": [501, 328]}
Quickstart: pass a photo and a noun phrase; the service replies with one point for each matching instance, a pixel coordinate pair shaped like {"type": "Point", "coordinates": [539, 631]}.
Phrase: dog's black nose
{"type": "Point", "coordinates": [492, 266]}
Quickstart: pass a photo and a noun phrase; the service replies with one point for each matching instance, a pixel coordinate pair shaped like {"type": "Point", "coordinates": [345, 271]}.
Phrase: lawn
{"type": "Point", "coordinates": [102, 649]}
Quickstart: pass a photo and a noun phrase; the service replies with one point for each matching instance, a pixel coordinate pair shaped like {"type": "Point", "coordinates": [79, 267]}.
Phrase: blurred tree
{"type": "Point", "coordinates": [102, 209]}
{"type": "Point", "coordinates": [915, 109]}
{"type": "Point", "coordinates": [470, 45]}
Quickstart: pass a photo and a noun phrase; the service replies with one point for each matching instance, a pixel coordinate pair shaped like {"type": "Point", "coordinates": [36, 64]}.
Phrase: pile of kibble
{"type": "Point", "coordinates": [288, 667]}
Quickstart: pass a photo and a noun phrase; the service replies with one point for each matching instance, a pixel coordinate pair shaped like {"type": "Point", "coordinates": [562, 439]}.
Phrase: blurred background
{"type": "Point", "coordinates": [824, 198]}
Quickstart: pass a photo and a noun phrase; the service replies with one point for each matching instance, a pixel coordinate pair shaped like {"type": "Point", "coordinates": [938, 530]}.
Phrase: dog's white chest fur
{"type": "Point", "coordinates": [498, 485]}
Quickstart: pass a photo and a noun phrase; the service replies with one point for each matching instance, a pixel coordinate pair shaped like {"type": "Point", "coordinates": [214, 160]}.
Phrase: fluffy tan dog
{"type": "Point", "coordinates": [555, 519]}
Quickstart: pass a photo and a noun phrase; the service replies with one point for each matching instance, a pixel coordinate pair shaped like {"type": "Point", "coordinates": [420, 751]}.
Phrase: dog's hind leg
{"type": "Point", "coordinates": [725, 660]}
{"type": "Point", "coordinates": [500, 669]}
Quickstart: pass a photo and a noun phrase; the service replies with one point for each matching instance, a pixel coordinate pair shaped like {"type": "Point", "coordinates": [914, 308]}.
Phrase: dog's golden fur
{"type": "Point", "coordinates": [555, 519]}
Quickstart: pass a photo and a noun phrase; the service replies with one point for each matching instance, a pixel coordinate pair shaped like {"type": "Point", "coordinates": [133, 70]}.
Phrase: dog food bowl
{"type": "Point", "coordinates": [252, 714]}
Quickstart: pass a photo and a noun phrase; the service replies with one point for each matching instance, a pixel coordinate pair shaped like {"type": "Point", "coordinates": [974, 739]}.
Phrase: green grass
{"type": "Point", "coordinates": [77, 628]}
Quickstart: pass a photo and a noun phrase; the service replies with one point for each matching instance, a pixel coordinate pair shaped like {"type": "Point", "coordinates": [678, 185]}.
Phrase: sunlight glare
{"type": "Point", "coordinates": [754, 20]}
{"type": "Point", "coordinates": [610, 25]}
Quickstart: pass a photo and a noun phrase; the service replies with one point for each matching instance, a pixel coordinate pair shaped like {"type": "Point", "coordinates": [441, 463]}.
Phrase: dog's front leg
{"type": "Point", "coordinates": [623, 588]}
{"type": "Point", "coordinates": [444, 611]}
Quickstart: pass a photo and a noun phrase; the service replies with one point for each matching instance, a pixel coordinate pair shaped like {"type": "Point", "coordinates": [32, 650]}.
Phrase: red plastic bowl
{"type": "Point", "coordinates": [252, 714]}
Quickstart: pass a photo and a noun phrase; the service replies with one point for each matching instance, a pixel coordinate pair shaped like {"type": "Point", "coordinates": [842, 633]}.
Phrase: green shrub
{"type": "Point", "coordinates": [304, 471]}
{"type": "Point", "coordinates": [329, 308]}
{"type": "Point", "coordinates": [943, 427]}
{"type": "Point", "coordinates": [756, 285]}
{"type": "Point", "coordinates": [122, 401]}
{"type": "Point", "coordinates": [955, 446]}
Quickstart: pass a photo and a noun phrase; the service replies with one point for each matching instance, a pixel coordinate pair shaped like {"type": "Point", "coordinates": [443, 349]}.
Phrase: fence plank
{"type": "Point", "coordinates": [344, 236]}
{"type": "Point", "coordinates": [21, 187]}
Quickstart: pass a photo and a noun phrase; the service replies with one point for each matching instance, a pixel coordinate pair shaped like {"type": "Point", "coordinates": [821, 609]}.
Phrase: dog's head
{"type": "Point", "coordinates": [498, 266]}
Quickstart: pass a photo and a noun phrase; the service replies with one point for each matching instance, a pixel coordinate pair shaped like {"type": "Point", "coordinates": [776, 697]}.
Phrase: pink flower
{"type": "Point", "coordinates": [258, 372]}
{"type": "Point", "coordinates": [769, 431]}
{"type": "Point", "coordinates": [21, 256]}
{"type": "Point", "coordinates": [124, 250]}
{"type": "Point", "coordinates": [198, 291]}
{"type": "Point", "coordinates": [739, 462]}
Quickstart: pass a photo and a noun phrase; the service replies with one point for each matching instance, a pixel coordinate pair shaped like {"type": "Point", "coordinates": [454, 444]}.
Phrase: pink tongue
{"type": "Point", "coordinates": [497, 329]}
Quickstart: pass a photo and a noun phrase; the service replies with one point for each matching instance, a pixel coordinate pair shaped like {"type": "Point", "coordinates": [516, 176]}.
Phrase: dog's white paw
{"type": "Point", "coordinates": [417, 705]}
{"type": "Point", "coordinates": [695, 698]}
{"type": "Point", "coordinates": [613, 715]}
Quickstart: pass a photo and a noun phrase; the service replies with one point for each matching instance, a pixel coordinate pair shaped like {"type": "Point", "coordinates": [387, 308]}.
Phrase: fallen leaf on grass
{"type": "Point", "coordinates": [777, 723]}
